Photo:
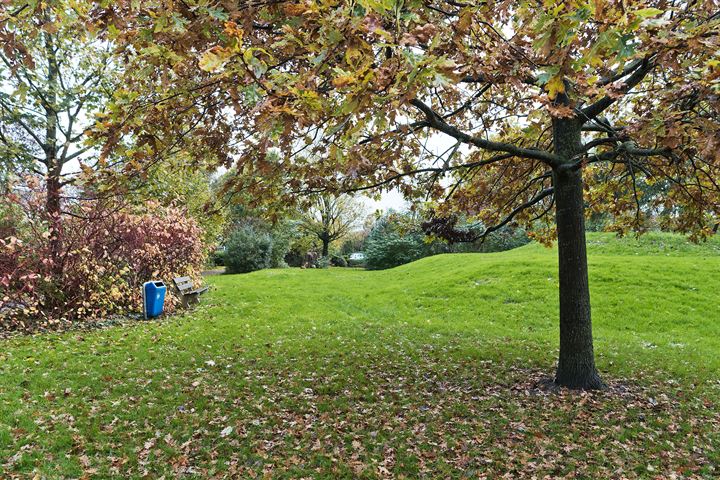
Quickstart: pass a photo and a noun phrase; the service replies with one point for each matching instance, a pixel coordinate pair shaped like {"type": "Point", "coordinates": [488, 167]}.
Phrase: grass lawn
{"type": "Point", "coordinates": [429, 370]}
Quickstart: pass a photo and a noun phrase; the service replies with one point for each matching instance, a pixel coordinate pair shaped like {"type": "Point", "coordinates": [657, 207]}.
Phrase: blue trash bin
{"type": "Point", "coordinates": [153, 298]}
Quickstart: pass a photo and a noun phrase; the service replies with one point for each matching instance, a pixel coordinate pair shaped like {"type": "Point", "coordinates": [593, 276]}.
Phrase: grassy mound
{"type": "Point", "coordinates": [431, 370]}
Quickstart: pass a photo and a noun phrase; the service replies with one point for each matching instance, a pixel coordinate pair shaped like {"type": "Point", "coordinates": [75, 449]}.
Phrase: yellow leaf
{"type": "Point", "coordinates": [554, 86]}
{"type": "Point", "coordinates": [213, 59]}
{"type": "Point", "coordinates": [353, 55]}
{"type": "Point", "coordinates": [342, 81]}
{"type": "Point", "coordinates": [51, 28]}
{"type": "Point", "coordinates": [465, 20]}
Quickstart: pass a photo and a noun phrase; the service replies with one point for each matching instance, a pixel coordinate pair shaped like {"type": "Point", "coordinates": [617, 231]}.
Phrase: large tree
{"type": "Point", "coordinates": [55, 75]}
{"type": "Point", "coordinates": [546, 107]}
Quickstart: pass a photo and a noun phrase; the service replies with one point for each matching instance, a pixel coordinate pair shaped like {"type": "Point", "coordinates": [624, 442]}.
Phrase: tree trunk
{"type": "Point", "coordinates": [53, 162]}
{"type": "Point", "coordinates": [576, 366]}
{"type": "Point", "coordinates": [325, 246]}
{"type": "Point", "coordinates": [52, 208]}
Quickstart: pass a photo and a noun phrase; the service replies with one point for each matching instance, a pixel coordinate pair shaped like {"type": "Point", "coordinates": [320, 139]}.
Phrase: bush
{"type": "Point", "coordinates": [217, 258]}
{"type": "Point", "coordinates": [105, 255]}
{"type": "Point", "coordinates": [295, 257]}
{"type": "Point", "coordinates": [282, 235]}
{"type": "Point", "coordinates": [355, 260]}
{"type": "Point", "coordinates": [394, 241]}
{"type": "Point", "coordinates": [338, 261]}
{"type": "Point", "coordinates": [504, 239]}
{"type": "Point", "coordinates": [392, 250]}
{"type": "Point", "coordinates": [323, 262]}
{"type": "Point", "coordinates": [501, 240]}
{"type": "Point", "coordinates": [354, 242]}
{"type": "Point", "coordinates": [248, 250]}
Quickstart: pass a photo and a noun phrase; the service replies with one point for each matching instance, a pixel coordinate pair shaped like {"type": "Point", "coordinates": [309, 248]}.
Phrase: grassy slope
{"type": "Point", "coordinates": [424, 370]}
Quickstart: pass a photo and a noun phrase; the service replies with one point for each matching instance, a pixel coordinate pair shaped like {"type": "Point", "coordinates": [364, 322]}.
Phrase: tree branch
{"type": "Point", "coordinates": [535, 200]}
{"type": "Point", "coordinates": [629, 68]}
{"type": "Point", "coordinates": [438, 123]}
{"type": "Point", "coordinates": [638, 74]}
{"type": "Point", "coordinates": [628, 148]}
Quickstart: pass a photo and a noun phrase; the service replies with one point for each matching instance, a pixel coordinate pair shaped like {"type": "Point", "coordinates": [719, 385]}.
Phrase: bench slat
{"type": "Point", "coordinates": [186, 287]}
{"type": "Point", "coordinates": [188, 293]}
{"type": "Point", "coordinates": [198, 291]}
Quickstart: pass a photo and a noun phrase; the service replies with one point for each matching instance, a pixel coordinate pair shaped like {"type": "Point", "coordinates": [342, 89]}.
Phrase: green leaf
{"type": "Point", "coordinates": [218, 14]}
{"type": "Point", "coordinates": [547, 74]}
{"type": "Point", "coordinates": [647, 12]}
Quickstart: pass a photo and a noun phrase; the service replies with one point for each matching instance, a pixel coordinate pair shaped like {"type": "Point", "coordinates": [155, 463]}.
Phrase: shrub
{"type": "Point", "coordinates": [282, 236]}
{"type": "Point", "coordinates": [295, 257]}
{"type": "Point", "coordinates": [354, 242]}
{"type": "Point", "coordinates": [506, 238]}
{"type": "Point", "coordinates": [392, 250]}
{"type": "Point", "coordinates": [393, 241]}
{"type": "Point", "coordinates": [301, 251]}
{"type": "Point", "coordinates": [338, 261]}
{"type": "Point", "coordinates": [355, 260]}
{"type": "Point", "coordinates": [106, 253]}
{"type": "Point", "coordinates": [217, 258]}
{"type": "Point", "coordinates": [323, 262]}
{"type": "Point", "coordinates": [248, 250]}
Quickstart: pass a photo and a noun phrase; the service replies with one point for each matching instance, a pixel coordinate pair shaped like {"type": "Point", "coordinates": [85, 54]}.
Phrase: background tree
{"type": "Point", "coordinates": [179, 181]}
{"type": "Point", "coordinates": [396, 239]}
{"type": "Point", "coordinates": [543, 106]}
{"type": "Point", "coordinates": [331, 218]}
{"type": "Point", "coordinates": [55, 75]}
{"type": "Point", "coordinates": [248, 249]}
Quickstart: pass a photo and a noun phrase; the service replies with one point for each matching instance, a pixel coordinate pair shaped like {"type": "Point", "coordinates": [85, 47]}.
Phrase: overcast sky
{"type": "Point", "coordinates": [389, 200]}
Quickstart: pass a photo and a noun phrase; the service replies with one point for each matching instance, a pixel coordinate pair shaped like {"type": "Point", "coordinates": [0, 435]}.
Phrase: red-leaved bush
{"type": "Point", "coordinates": [105, 254]}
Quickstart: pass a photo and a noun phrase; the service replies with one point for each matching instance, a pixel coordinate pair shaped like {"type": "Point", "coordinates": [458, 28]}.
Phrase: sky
{"type": "Point", "coordinates": [392, 200]}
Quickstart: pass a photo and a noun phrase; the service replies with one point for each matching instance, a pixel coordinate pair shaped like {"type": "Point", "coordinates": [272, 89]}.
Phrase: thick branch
{"type": "Point", "coordinates": [438, 123]}
{"type": "Point", "coordinates": [599, 141]}
{"type": "Point", "coordinates": [628, 148]}
{"type": "Point", "coordinates": [638, 74]}
{"type": "Point", "coordinates": [629, 68]}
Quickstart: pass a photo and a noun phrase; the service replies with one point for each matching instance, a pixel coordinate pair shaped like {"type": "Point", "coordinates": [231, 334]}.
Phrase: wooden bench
{"type": "Point", "coordinates": [188, 293]}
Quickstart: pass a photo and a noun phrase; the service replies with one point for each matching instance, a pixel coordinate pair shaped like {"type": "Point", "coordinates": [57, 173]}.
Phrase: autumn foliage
{"type": "Point", "coordinates": [107, 252]}
{"type": "Point", "coordinates": [362, 85]}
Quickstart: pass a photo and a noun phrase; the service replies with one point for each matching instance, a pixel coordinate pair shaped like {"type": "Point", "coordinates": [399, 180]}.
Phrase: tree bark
{"type": "Point", "coordinates": [325, 245]}
{"type": "Point", "coordinates": [52, 209]}
{"type": "Point", "coordinates": [576, 365]}
{"type": "Point", "coordinates": [53, 162]}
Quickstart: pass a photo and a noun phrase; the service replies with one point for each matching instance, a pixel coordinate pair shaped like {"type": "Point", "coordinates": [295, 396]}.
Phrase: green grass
{"type": "Point", "coordinates": [429, 370]}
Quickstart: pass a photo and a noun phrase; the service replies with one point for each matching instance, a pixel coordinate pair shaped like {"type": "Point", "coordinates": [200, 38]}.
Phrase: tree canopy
{"type": "Point", "coordinates": [56, 75]}
{"type": "Point", "coordinates": [351, 91]}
